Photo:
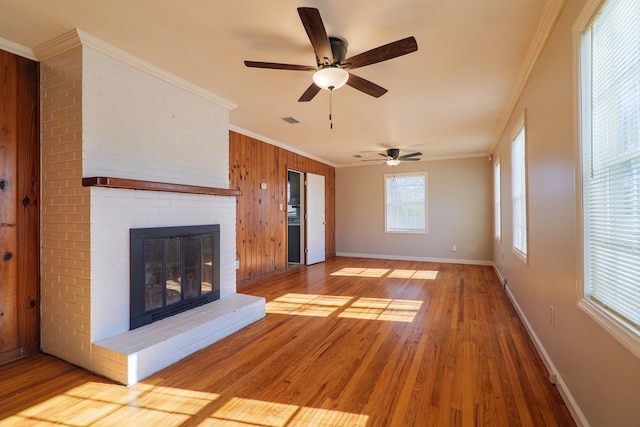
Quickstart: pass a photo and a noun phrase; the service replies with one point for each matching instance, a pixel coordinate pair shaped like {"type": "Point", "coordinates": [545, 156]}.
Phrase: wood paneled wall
{"type": "Point", "coordinates": [19, 207]}
{"type": "Point", "coordinates": [261, 227]}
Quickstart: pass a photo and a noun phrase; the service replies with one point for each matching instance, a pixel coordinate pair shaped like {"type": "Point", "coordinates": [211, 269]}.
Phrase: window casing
{"type": "Point", "coordinates": [406, 202]}
{"type": "Point", "coordinates": [609, 90]}
{"type": "Point", "coordinates": [519, 192]}
{"type": "Point", "coordinates": [497, 215]}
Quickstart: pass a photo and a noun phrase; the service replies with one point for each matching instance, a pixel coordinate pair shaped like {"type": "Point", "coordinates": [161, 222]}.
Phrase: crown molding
{"type": "Point", "coordinates": [57, 46]}
{"type": "Point", "coordinates": [77, 37]}
{"type": "Point", "coordinates": [16, 49]}
{"type": "Point", "coordinates": [546, 24]}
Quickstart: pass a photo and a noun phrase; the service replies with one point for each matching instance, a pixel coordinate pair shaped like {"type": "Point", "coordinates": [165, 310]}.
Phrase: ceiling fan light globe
{"type": "Point", "coordinates": [330, 78]}
{"type": "Point", "coordinates": [393, 162]}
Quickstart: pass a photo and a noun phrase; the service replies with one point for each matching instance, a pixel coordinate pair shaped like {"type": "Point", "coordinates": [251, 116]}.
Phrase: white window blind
{"type": "Point", "coordinates": [610, 143]}
{"type": "Point", "coordinates": [497, 217]}
{"type": "Point", "coordinates": [406, 203]}
{"type": "Point", "coordinates": [519, 194]}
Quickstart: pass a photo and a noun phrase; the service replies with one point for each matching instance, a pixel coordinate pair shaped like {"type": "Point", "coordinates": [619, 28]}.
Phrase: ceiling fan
{"type": "Point", "coordinates": [394, 158]}
{"type": "Point", "coordinates": [331, 69]}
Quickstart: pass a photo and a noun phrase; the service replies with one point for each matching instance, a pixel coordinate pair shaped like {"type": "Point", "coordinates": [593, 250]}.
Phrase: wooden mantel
{"type": "Point", "coordinates": [137, 184]}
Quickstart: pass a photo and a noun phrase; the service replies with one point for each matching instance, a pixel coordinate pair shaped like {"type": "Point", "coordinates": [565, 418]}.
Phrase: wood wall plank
{"type": "Point", "coordinates": [8, 200]}
{"type": "Point", "coordinates": [28, 209]}
{"type": "Point", "coordinates": [19, 209]}
{"type": "Point", "coordinates": [261, 227]}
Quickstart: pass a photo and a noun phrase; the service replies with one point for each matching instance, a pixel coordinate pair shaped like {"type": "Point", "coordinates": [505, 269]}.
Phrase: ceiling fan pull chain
{"type": "Point", "coordinates": [331, 107]}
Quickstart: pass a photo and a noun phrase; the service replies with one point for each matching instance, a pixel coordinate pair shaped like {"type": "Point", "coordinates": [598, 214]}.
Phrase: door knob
{"type": "Point", "coordinates": [3, 184]}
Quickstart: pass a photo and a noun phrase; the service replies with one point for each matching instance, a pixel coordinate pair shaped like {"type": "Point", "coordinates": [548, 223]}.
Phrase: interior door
{"type": "Point", "coordinates": [315, 219]}
{"type": "Point", "coordinates": [19, 210]}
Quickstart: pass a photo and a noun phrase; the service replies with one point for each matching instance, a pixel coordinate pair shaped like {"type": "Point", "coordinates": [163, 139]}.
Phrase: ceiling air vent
{"type": "Point", "coordinates": [290, 120]}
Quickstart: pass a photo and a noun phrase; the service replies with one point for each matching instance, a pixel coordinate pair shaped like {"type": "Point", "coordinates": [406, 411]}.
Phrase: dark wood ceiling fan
{"type": "Point", "coordinates": [394, 158]}
{"type": "Point", "coordinates": [330, 59]}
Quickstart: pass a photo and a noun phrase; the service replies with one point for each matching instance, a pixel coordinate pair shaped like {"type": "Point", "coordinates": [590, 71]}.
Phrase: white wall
{"type": "Point", "coordinates": [459, 212]}
{"type": "Point", "coordinates": [598, 373]}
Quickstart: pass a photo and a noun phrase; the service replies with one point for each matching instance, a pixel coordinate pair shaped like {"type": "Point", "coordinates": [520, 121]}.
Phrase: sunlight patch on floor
{"type": "Point", "coordinates": [104, 404]}
{"type": "Point", "coordinates": [393, 310]}
{"type": "Point", "coordinates": [255, 412]}
{"type": "Point", "coordinates": [361, 272]}
{"type": "Point", "coordinates": [414, 274]}
{"type": "Point", "coordinates": [381, 272]}
{"type": "Point", "coordinates": [248, 412]}
{"type": "Point", "coordinates": [306, 305]}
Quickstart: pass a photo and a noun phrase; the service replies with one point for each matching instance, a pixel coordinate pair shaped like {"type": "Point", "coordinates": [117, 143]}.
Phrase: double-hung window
{"type": "Point", "coordinates": [610, 168]}
{"type": "Point", "coordinates": [519, 193]}
{"type": "Point", "coordinates": [406, 202]}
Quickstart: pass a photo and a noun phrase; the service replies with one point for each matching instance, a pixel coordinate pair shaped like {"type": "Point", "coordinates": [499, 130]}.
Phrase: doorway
{"type": "Point", "coordinates": [295, 217]}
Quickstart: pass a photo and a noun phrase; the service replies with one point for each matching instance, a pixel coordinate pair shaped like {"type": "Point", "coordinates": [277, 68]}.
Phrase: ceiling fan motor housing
{"type": "Point", "coordinates": [394, 153]}
{"type": "Point", "coordinates": [338, 49]}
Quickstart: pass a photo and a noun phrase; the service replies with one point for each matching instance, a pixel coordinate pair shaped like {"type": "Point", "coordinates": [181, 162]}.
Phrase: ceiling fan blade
{"type": "Point", "coordinates": [314, 27]}
{"type": "Point", "coordinates": [309, 93]}
{"type": "Point", "coordinates": [366, 86]}
{"type": "Point", "coordinates": [382, 53]}
{"type": "Point", "coordinates": [386, 156]}
{"type": "Point", "coordinates": [276, 66]}
{"type": "Point", "coordinates": [408, 156]}
{"type": "Point", "coordinates": [410, 159]}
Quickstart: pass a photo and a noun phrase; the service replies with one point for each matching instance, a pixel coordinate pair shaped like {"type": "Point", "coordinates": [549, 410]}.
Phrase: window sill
{"type": "Point", "coordinates": [405, 232]}
{"type": "Point", "coordinates": [614, 326]}
{"type": "Point", "coordinates": [521, 256]}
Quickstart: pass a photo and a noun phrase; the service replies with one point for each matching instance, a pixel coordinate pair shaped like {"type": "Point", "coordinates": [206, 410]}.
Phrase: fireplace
{"type": "Point", "coordinates": [173, 269]}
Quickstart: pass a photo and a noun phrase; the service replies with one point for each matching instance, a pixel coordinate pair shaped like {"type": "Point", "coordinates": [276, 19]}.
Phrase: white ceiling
{"type": "Point", "coordinates": [448, 99]}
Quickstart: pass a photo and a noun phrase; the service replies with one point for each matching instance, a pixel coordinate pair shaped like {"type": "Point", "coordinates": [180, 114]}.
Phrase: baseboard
{"type": "Point", "coordinates": [503, 281]}
{"type": "Point", "coordinates": [554, 377]}
{"type": "Point", "coordinates": [413, 258]}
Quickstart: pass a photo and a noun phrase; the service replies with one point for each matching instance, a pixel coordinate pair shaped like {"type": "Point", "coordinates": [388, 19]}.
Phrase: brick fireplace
{"type": "Point", "coordinates": [106, 113]}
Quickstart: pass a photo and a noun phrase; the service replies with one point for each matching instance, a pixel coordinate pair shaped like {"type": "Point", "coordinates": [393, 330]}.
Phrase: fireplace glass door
{"type": "Point", "coordinates": [173, 269]}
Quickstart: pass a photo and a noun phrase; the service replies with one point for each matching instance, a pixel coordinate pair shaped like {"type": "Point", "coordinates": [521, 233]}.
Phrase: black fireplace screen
{"type": "Point", "coordinates": [173, 269]}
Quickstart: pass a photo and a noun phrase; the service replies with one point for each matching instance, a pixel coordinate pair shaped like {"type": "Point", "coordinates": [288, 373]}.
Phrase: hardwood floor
{"type": "Point", "coordinates": [348, 342]}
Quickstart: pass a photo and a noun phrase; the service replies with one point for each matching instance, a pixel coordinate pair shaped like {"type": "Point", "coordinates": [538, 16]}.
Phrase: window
{"type": "Point", "coordinates": [406, 202]}
{"type": "Point", "coordinates": [519, 193]}
{"type": "Point", "coordinates": [610, 150]}
{"type": "Point", "coordinates": [497, 225]}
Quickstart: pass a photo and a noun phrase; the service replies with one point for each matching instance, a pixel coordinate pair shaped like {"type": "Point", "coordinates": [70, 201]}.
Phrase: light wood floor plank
{"type": "Point", "coordinates": [348, 342]}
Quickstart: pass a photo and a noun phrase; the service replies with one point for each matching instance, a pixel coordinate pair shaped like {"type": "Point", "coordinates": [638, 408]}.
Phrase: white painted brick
{"type": "Point", "coordinates": [101, 117]}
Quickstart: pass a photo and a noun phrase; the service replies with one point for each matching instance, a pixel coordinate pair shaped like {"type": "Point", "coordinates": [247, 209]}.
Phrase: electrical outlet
{"type": "Point", "coordinates": [552, 315]}
{"type": "Point", "coordinates": [472, 248]}
{"type": "Point", "coordinates": [237, 264]}
{"type": "Point", "coordinates": [453, 248]}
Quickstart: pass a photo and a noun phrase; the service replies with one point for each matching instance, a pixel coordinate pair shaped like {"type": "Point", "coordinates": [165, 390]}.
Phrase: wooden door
{"type": "Point", "coordinates": [19, 210]}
